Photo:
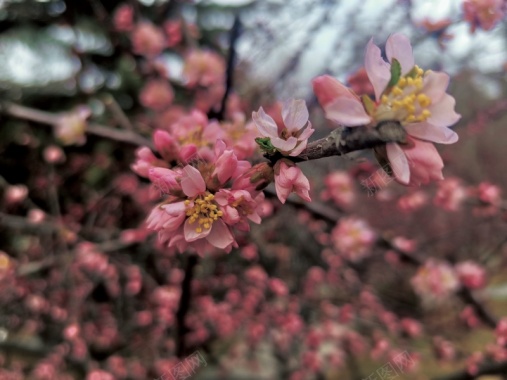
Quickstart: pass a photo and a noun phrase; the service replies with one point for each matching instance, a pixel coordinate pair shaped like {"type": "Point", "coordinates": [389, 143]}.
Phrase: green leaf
{"type": "Point", "coordinates": [265, 144]}
{"type": "Point", "coordinates": [395, 73]}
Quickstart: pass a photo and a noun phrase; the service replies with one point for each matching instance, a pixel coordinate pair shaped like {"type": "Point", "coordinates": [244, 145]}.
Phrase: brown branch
{"type": "Point", "coordinates": [48, 118]}
{"type": "Point", "coordinates": [184, 305]}
{"type": "Point", "coordinates": [345, 140]}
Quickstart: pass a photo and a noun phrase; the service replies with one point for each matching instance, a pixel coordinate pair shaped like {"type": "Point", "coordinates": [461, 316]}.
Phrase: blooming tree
{"type": "Point", "coordinates": [170, 227]}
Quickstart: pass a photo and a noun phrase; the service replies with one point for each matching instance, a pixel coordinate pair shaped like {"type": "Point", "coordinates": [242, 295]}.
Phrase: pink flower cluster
{"type": "Point", "coordinates": [290, 139]}
{"type": "Point", "coordinates": [404, 93]}
{"type": "Point", "coordinates": [435, 281]}
{"type": "Point", "coordinates": [203, 202]}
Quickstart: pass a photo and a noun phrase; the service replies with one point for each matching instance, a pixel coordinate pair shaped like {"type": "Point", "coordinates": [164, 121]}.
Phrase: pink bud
{"type": "Point", "coordinates": [328, 89]}
{"type": "Point", "coordinates": [54, 154]}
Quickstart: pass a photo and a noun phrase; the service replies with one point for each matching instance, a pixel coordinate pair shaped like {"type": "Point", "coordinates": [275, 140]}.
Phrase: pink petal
{"type": "Point", "coordinates": [398, 46]}
{"type": "Point", "coordinates": [347, 112]}
{"type": "Point", "coordinates": [378, 70]}
{"type": "Point", "coordinates": [265, 123]}
{"type": "Point", "coordinates": [327, 89]}
{"type": "Point", "coordinates": [308, 131]}
{"type": "Point", "coordinates": [219, 147]}
{"type": "Point", "coordinates": [225, 166]}
{"type": "Point", "coordinates": [435, 85]}
{"type": "Point", "coordinates": [189, 230]}
{"type": "Point", "coordinates": [174, 209]}
{"type": "Point", "coordinates": [398, 162]}
{"type": "Point", "coordinates": [192, 183]}
{"type": "Point", "coordinates": [442, 113]}
{"type": "Point", "coordinates": [284, 145]}
{"type": "Point", "coordinates": [425, 163]}
{"type": "Point", "coordinates": [298, 149]}
{"type": "Point", "coordinates": [429, 132]}
{"type": "Point", "coordinates": [294, 114]}
{"type": "Point", "coordinates": [220, 235]}
{"type": "Point", "coordinates": [164, 179]}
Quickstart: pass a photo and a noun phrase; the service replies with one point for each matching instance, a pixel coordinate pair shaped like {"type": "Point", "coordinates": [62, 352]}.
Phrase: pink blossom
{"type": "Point", "coordinates": [203, 67]}
{"type": "Point", "coordinates": [291, 138]}
{"type": "Point", "coordinates": [450, 194]}
{"type": "Point", "coordinates": [201, 210]}
{"type": "Point", "coordinates": [417, 101]}
{"type": "Point", "coordinates": [15, 194]}
{"type": "Point", "coordinates": [156, 94]}
{"type": "Point", "coordinates": [353, 238]}
{"type": "Point", "coordinates": [54, 154]}
{"type": "Point", "coordinates": [412, 201]}
{"type": "Point", "coordinates": [435, 281]}
{"type": "Point", "coordinates": [501, 332]}
{"type": "Point", "coordinates": [360, 83]}
{"type": "Point", "coordinates": [123, 18]}
{"type": "Point", "coordinates": [483, 13]}
{"type": "Point", "coordinates": [289, 178]}
{"type": "Point", "coordinates": [147, 40]}
{"type": "Point", "coordinates": [339, 188]}
{"type": "Point", "coordinates": [471, 274]}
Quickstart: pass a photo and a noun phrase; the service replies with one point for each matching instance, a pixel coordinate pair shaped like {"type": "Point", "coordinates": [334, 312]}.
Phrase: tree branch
{"type": "Point", "coordinates": [184, 305]}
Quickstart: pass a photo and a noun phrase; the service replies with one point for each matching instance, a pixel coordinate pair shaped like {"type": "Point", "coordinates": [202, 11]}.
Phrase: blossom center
{"type": "Point", "coordinates": [194, 137]}
{"type": "Point", "coordinates": [203, 210]}
{"type": "Point", "coordinates": [405, 101]}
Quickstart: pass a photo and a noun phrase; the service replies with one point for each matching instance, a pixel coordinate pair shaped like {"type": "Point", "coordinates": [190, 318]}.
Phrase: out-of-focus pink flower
{"type": "Point", "coordinates": [339, 188]}
{"type": "Point", "coordinates": [147, 40]}
{"type": "Point", "coordinates": [290, 179]}
{"type": "Point", "coordinates": [435, 281]}
{"type": "Point", "coordinates": [53, 154]}
{"type": "Point", "coordinates": [204, 68]}
{"type": "Point", "coordinates": [450, 195]}
{"type": "Point", "coordinates": [98, 374]}
{"type": "Point", "coordinates": [473, 361]}
{"type": "Point", "coordinates": [483, 13]}
{"type": "Point", "coordinates": [15, 194]}
{"type": "Point", "coordinates": [490, 197]}
{"type": "Point", "coordinates": [157, 94]}
{"type": "Point", "coordinates": [36, 215]}
{"type": "Point", "coordinates": [411, 327]}
{"type": "Point", "coordinates": [291, 138]}
{"type": "Point", "coordinates": [489, 194]}
{"type": "Point", "coordinates": [353, 238]}
{"type": "Point", "coordinates": [123, 18]}
{"type": "Point", "coordinates": [469, 317]}
{"type": "Point", "coordinates": [412, 201]}
{"type": "Point", "coordinates": [416, 99]}
{"type": "Point", "coordinates": [71, 126]}
{"type": "Point", "coordinates": [444, 349]}
{"type": "Point", "coordinates": [471, 274]}
{"type": "Point", "coordinates": [501, 332]}
{"type": "Point", "coordinates": [173, 32]}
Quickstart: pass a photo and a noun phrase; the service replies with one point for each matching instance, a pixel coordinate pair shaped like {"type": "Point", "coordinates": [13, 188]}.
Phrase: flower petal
{"type": "Point", "coordinates": [425, 163]}
{"type": "Point", "coordinates": [220, 235]}
{"type": "Point", "coordinates": [398, 162]}
{"type": "Point", "coordinates": [347, 112]}
{"type": "Point", "coordinates": [192, 182]}
{"type": "Point", "coordinates": [442, 113]}
{"type": "Point", "coordinates": [398, 47]}
{"type": "Point", "coordinates": [435, 85]}
{"type": "Point", "coordinates": [265, 123]}
{"type": "Point", "coordinates": [429, 132]}
{"type": "Point", "coordinates": [284, 145]}
{"type": "Point", "coordinates": [190, 231]}
{"type": "Point", "coordinates": [378, 70]}
{"type": "Point", "coordinates": [294, 114]}
{"type": "Point", "coordinates": [174, 209]}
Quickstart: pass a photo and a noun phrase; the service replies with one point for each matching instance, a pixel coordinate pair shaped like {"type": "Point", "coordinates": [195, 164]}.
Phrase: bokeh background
{"type": "Point", "coordinates": [86, 292]}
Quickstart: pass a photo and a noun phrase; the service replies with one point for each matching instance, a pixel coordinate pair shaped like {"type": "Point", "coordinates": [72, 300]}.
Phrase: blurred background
{"type": "Point", "coordinates": [86, 292]}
